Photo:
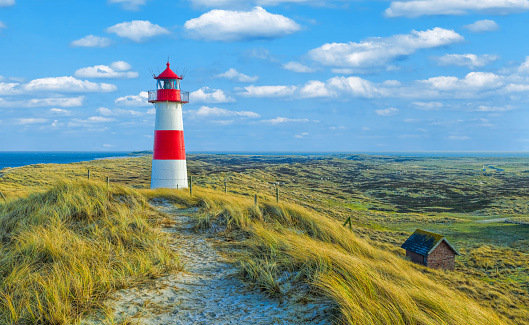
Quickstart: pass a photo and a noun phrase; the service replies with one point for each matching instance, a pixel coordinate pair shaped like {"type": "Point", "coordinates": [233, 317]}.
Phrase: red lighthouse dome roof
{"type": "Point", "coordinates": [168, 74]}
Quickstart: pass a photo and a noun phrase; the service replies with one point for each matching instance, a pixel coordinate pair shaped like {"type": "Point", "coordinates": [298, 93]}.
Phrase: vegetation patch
{"type": "Point", "coordinates": [62, 251]}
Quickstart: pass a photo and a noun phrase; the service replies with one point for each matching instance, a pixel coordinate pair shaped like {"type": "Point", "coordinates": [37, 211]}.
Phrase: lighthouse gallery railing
{"type": "Point", "coordinates": [184, 96]}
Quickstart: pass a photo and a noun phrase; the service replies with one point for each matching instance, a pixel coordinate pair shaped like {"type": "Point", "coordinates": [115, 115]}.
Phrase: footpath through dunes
{"type": "Point", "coordinates": [209, 290]}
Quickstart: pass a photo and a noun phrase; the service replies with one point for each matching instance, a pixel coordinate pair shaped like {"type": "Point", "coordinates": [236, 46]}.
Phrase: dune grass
{"type": "Point", "coordinates": [62, 251]}
{"type": "Point", "coordinates": [367, 284]}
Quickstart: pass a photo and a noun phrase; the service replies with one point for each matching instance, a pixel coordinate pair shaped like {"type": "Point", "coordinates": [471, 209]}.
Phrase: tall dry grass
{"type": "Point", "coordinates": [368, 285]}
{"type": "Point", "coordinates": [62, 251]}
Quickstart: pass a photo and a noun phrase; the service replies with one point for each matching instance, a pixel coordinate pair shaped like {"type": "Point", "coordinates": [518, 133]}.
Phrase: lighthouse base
{"type": "Point", "coordinates": [169, 174]}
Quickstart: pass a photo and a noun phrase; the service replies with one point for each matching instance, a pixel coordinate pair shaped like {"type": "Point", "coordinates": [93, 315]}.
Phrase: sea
{"type": "Point", "coordinates": [23, 158]}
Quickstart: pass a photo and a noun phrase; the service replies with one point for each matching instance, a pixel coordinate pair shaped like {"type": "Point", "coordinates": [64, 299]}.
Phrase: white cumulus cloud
{"type": "Point", "coordinates": [2, 25]}
{"type": "Point", "coordinates": [418, 8]}
{"type": "Point", "coordinates": [207, 95]}
{"type": "Point", "coordinates": [42, 102]}
{"type": "Point", "coordinates": [137, 30]}
{"type": "Point", "coordinates": [469, 60]}
{"type": "Point", "coordinates": [205, 111]}
{"type": "Point", "coordinates": [6, 3]}
{"type": "Point", "coordinates": [281, 120]}
{"type": "Point", "coordinates": [233, 74]}
{"type": "Point", "coordinates": [129, 4]}
{"type": "Point", "coordinates": [387, 112]}
{"type": "Point", "coordinates": [378, 52]}
{"type": "Point", "coordinates": [118, 112]}
{"type": "Point", "coordinates": [133, 100]}
{"type": "Point", "coordinates": [118, 69]}
{"type": "Point", "coordinates": [26, 121]}
{"type": "Point", "coordinates": [67, 84]}
{"type": "Point", "coordinates": [92, 41]}
{"type": "Point", "coordinates": [268, 91]}
{"type": "Point", "coordinates": [428, 106]}
{"type": "Point", "coordinates": [297, 67]}
{"type": "Point", "coordinates": [472, 81]}
{"type": "Point", "coordinates": [229, 25]}
{"type": "Point", "coordinates": [481, 26]}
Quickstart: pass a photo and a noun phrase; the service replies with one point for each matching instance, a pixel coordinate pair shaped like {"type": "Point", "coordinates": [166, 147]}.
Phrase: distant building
{"type": "Point", "coordinates": [430, 249]}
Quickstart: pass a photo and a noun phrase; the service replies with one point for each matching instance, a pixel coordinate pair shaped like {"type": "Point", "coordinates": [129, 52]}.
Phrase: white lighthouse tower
{"type": "Point", "coordinates": [169, 155]}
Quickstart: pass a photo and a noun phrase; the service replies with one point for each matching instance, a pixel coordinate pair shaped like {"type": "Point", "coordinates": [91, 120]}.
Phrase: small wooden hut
{"type": "Point", "coordinates": [431, 250]}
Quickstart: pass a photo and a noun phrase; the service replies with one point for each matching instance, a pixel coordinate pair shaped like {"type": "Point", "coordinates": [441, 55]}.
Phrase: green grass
{"type": "Point", "coordinates": [368, 284]}
{"type": "Point", "coordinates": [387, 199]}
{"type": "Point", "coordinates": [64, 249]}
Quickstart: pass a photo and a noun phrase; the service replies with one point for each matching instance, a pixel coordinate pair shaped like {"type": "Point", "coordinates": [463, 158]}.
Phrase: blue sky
{"type": "Point", "coordinates": [268, 75]}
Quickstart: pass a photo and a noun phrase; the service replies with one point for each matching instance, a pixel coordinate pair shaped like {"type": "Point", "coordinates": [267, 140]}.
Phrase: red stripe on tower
{"type": "Point", "coordinates": [169, 144]}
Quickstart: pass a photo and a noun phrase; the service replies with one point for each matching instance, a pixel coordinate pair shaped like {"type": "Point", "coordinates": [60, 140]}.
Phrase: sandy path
{"type": "Point", "coordinates": [208, 291]}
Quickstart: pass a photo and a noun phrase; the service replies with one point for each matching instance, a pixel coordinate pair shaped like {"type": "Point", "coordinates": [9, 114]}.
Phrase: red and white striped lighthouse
{"type": "Point", "coordinates": [169, 156]}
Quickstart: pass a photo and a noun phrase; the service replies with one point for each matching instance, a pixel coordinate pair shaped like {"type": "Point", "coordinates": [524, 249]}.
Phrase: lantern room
{"type": "Point", "coordinates": [168, 88]}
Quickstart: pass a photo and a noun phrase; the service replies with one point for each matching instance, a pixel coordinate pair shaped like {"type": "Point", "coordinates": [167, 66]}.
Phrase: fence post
{"type": "Point", "coordinates": [108, 182]}
{"type": "Point", "coordinates": [190, 185]}
{"type": "Point", "coordinates": [277, 193]}
{"type": "Point", "coordinates": [255, 199]}
{"type": "Point", "coordinates": [89, 174]}
{"type": "Point", "coordinates": [225, 186]}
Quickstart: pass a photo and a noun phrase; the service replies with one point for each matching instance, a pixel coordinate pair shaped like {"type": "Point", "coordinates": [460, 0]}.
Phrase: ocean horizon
{"type": "Point", "coordinates": [24, 158]}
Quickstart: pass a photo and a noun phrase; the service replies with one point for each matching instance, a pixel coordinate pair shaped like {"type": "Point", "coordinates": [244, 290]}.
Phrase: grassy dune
{"type": "Point", "coordinates": [63, 250]}
{"type": "Point", "coordinates": [50, 233]}
{"type": "Point", "coordinates": [369, 285]}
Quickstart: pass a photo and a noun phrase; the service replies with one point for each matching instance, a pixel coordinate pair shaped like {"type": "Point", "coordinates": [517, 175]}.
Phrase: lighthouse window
{"type": "Point", "coordinates": [168, 84]}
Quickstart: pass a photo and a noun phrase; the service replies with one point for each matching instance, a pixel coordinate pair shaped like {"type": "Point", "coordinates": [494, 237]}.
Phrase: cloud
{"type": "Point", "coordinates": [297, 67]}
{"type": "Point", "coordinates": [7, 3]}
{"type": "Point", "coordinates": [458, 137]}
{"type": "Point", "coordinates": [205, 111]}
{"type": "Point", "coordinates": [301, 135]}
{"type": "Point", "coordinates": [429, 106]}
{"type": "Point", "coordinates": [378, 52]}
{"type": "Point", "coordinates": [281, 120]}
{"type": "Point", "coordinates": [315, 88]}
{"type": "Point", "coordinates": [92, 41]}
{"type": "Point", "coordinates": [94, 119]}
{"type": "Point", "coordinates": [390, 111]}
{"type": "Point", "coordinates": [230, 26]}
{"type": "Point", "coordinates": [8, 88]}
{"type": "Point", "coordinates": [418, 8]}
{"type": "Point", "coordinates": [2, 25]}
{"type": "Point", "coordinates": [207, 95]}
{"type": "Point", "coordinates": [469, 60]}
{"type": "Point", "coordinates": [268, 91]}
{"type": "Point", "coordinates": [40, 102]}
{"type": "Point", "coordinates": [482, 26]}
{"type": "Point", "coordinates": [484, 108]}
{"type": "Point", "coordinates": [117, 70]}
{"type": "Point", "coordinates": [137, 30]}
{"type": "Point", "coordinates": [129, 4]}
{"type": "Point", "coordinates": [118, 112]}
{"type": "Point", "coordinates": [133, 100]}
{"type": "Point", "coordinates": [58, 111]}
{"type": "Point", "coordinates": [26, 121]}
{"type": "Point", "coordinates": [67, 84]}
{"type": "Point", "coordinates": [233, 74]}
{"type": "Point", "coordinates": [472, 81]}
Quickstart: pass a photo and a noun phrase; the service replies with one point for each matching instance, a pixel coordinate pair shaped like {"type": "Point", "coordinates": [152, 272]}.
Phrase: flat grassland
{"type": "Point", "coordinates": [387, 198]}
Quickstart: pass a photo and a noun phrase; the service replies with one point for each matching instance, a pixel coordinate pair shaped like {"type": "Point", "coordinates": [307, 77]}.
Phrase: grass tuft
{"type": "Point", "coordinates": [64, 250]}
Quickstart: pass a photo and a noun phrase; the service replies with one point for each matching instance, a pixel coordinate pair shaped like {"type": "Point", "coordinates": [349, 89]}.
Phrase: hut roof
{"type": "Point", "coordinates": [423, 242]}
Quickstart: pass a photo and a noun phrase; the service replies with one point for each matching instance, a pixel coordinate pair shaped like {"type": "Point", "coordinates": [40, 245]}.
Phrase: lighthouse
{"type": "Point", "coordinates": [169, 156]}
